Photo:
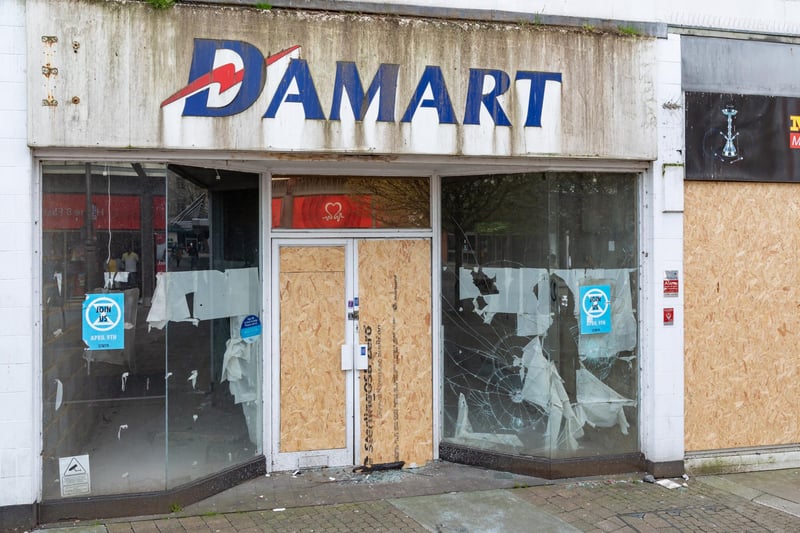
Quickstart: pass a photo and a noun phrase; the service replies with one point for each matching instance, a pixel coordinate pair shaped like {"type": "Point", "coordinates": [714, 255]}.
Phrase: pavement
{"type": "Point", "coordinates": [445, 497]}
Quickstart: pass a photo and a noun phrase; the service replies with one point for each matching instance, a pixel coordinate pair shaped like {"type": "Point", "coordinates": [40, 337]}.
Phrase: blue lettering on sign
{"type": "Point", "coordinates": [250, 79]}
{"type": "Point", "coordinates": [202, 74]}
{"type": "Point", "coordinates": [536, 98]}
{"type": "Point", "coordinates": [432, 77]}
{"type": "Point", "coordinates": [347, 79]}
{"type": "Point", "coordinates": [476, 97]}
{"type": "Point", "coordinates": [307, 95]}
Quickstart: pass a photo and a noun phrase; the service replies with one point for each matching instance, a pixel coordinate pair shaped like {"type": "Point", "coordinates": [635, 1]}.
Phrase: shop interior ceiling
{"type": "Point", "coordinates": [211, 178]}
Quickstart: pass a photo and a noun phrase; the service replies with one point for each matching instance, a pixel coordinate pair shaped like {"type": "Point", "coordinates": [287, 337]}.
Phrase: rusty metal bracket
{"type": "Point", "coordinates": [49, 39]}
{"type": "Point", "coordinates": [50, 102]}
{"type": "Point", "coordinates": [48, 71]}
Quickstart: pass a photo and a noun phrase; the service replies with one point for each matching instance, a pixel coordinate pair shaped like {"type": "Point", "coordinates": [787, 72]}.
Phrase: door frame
{"type": "Point", "coordinates": [349, 455]}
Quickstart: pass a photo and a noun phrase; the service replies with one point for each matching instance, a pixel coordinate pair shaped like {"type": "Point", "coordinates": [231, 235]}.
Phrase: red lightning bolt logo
{"type": "Point", "coordinates": [226, 76]}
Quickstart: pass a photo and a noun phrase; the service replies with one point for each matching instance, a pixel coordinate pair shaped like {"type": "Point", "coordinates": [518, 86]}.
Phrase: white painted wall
{"type": "Point", "coordinates": [662, 413]}
{"type": "Point", "coordinates": [770, 16]}
{"type": "Point", "coordinates": [19, 446]}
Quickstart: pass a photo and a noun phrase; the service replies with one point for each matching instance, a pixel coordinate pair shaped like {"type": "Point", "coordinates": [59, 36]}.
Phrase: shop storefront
{"type": "Point", "coordinates": [270, 242]}
{"type": "Point", "coordinates": [742, 174]}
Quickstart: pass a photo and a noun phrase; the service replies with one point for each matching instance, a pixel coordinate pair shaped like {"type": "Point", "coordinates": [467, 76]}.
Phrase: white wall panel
{"type": "Point", "coordinates": [19, 447]}
{"type": "Point", "coordinates": [662, 345]}
{"type": "Point", "coordinates": [772, 16]}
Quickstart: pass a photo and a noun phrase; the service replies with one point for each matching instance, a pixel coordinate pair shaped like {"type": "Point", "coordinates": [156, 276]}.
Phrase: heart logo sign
{"type": "Point", "coordinates": [333, 211]}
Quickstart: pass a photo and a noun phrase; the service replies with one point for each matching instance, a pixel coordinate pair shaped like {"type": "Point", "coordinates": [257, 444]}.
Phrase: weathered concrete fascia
{"type": "Point", "coordinates": [638, 28]}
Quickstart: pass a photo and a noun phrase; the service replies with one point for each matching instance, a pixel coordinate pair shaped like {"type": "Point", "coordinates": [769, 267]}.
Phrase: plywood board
{"type": "Point", "coordinates": [396, 400]}
{"type": "Point", "coordinates": [312, 384]}
{"type": "Point", "coordinates": [742, 314]}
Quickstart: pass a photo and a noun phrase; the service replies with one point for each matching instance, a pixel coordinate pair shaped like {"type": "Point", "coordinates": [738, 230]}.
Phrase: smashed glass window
{"type": "Point", "coordinates": [539, 313]}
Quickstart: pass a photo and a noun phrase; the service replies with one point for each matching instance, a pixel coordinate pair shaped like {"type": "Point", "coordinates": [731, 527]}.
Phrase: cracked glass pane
{"type": "Point", "coordinates": [539, 313]}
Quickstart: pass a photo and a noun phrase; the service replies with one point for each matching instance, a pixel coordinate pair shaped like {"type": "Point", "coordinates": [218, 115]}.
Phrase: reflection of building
{"type": "Point", "coordinates": [444, 203]}
{"type": "Point", "coordinates": [187, 230]}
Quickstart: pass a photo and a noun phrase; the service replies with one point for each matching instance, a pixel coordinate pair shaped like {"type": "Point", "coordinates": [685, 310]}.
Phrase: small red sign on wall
{"type": "Point", "coordinates": [669, 316]}
{"type": "Point", "coordinates": [671, 287]}
{"type": "Point", "coordinates": [794, 140]}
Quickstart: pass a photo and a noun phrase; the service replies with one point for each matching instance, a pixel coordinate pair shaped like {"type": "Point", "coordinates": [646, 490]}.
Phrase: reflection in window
{"type": "Point", "coordinates": [539, 313]}
{"type": "Point", "coordinates": [177, 397]}
{"type": "Point", "coordinates": [329, 202]}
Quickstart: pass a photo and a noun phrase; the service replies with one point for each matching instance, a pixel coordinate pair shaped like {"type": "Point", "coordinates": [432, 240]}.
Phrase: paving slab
{"type": "Point", "coordinates": [784, 484]}
{"type": "Point", "coordinates": [730, 485]}
{"type": "Point", "coordinates": [786, 506]}
{"type": "Point", "coordinates": [328, 486]}
{"type": "Point", "coordinates": [777, 489]}
{"type": "Point", "coordinates": [486, 511]}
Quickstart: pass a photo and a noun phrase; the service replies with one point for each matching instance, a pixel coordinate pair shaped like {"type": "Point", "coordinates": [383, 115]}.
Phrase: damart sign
{"type": "Point", "coordinates": [228, 77]}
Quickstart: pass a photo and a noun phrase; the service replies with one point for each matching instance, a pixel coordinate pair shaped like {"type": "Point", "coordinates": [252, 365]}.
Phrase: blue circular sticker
{"type": "Point", "coordinates": [251, 328]}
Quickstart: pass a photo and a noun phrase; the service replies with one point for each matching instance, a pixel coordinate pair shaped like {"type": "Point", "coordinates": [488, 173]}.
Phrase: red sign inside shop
{"type": "Point", "coordinates": [115, 212]}
{"type": "Point", "coordinates": [159, 212]}
{"type": "Point", "coordinates": [325, 212]}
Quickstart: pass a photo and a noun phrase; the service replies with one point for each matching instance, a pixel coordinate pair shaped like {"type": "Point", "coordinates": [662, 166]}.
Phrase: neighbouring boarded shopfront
{"type": "Point", "coordinates": [741, 224]}
{"type": "Point", "coordinates": [272, 242]}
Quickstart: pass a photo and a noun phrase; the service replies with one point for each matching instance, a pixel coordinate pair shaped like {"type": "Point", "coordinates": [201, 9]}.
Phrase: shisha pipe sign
{"type": "Point", "coordinates": [729, 150]}
{"type": "Point", "coordinates": [742, 137]}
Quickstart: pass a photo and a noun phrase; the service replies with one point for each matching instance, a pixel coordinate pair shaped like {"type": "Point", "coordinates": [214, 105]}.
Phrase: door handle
{"type": "Point", "coordinates": [358, 360]}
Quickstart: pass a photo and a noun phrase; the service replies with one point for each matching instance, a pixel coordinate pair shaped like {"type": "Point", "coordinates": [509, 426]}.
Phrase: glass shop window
{"type": "Point", "coordinates": [332, 202]}
{"type": "Point", "coordinates": [149, 274]}
{"type": "Point", "coordinates": [539, 295]}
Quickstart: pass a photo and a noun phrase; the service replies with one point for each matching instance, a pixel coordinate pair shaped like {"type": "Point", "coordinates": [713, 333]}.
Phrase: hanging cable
{"type": "Point", "coordinates": [108, 209]}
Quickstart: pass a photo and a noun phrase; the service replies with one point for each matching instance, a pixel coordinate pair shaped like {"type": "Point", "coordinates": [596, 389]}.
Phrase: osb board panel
{"type": "Point", "coordinates": [742, 314]}
{"type": "Point", "coordinates": [396, 400]}
{"type": "Point", "coordinates": [312, 259]}
{"type": "Point", "coordinates": [312, 397]}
